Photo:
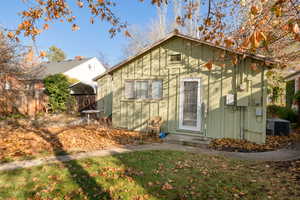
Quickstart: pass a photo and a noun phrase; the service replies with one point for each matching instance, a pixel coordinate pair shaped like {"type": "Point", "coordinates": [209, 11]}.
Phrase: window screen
{"type": "Point", "coordinates": [156, 89]}
{"type": "Point", "coordinates": [142, 89]}
{"type": "Point", "coordinates": [129, 89]}
{"type": "Point", "coordinates": [175, 57]}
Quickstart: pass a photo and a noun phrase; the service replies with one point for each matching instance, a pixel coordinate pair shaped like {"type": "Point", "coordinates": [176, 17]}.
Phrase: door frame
{"type": "Point", "coordinates": [181, 102]}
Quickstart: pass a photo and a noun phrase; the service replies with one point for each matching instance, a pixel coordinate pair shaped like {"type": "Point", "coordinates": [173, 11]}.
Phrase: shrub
{"type": "Point", "coordinates": [57, 88]}
{"type": "Point", "coordinates": [297, 96]}
{"type": "Point", "coordinates": [282, 112]}
{"type": "Point", "coordinates": [290, 92]}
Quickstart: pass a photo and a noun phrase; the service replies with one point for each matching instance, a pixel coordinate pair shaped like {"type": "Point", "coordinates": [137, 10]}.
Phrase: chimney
{"type": "Point", "coordinates": [176, 31]}
{"type": "Point", "coordinates": [79, 57]}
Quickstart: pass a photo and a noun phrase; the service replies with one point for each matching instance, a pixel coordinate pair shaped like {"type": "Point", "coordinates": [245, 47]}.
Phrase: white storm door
{"type": "Point", "coordinates": [189, 108]}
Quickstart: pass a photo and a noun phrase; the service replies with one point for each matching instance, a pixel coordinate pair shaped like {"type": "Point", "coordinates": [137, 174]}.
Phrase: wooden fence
{"type": "Point", "coordinates": [85, 102]}
{"type": "Point", "coordinates": [32, 102]}
{"type": "Point", "coordinates": [26, 102]}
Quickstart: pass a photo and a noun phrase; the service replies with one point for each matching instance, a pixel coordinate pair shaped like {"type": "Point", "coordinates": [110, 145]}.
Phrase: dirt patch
{"type": "Point", "coordinates": [22, 142]}
{"type": "Point", "coordinates": [272, 143]}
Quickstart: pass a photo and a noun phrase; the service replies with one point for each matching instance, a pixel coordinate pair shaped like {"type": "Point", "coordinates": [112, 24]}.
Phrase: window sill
{"type": "Point", "coordinates": [141, 100]}
{"type": "Point", "coordinates": [175, 62]}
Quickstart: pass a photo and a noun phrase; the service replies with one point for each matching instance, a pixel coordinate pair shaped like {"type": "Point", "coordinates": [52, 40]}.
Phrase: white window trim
{"type": "Point", "coordinates": [149, 89]}
{"type": "Point", "coordinates": [181, 103]}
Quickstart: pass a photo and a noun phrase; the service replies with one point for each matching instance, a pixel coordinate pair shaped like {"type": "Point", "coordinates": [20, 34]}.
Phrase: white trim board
{"type": "Point", "coordinates": [181, 103]}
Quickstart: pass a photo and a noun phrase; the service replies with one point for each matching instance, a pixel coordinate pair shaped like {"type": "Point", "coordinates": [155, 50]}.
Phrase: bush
{"type": "Point", "coordinates": [290, 92]}
{"type": "Point", "coordinates": [297, 96]}
{"type": "Point", "coordinates": [57, 88]}
{"type": "Point", "coordinates": [282, 112]}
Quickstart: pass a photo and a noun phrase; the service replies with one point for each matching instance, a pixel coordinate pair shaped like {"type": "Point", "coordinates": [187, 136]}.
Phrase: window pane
{"type": "Point", "coordinates": [157, 89]}
{"type": "Point", "coordinates": [142, 89]}
{"type": "Point", "coordinates": [175, 57]}
{"type": "Point", "coordinates": [190, 103]}
{"type": "Point", "coordinates": [129, 89]}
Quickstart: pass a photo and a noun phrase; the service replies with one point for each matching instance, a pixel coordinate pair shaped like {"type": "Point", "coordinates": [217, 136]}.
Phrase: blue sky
{"type": "Point", "coordinates": [90, 39]}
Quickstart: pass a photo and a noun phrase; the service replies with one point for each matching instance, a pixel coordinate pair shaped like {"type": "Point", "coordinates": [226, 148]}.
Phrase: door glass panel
{"type": "Point", "coordinates": [190, 103]}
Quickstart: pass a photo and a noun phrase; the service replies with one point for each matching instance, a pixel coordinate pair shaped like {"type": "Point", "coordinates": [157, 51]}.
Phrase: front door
{"type": "Point", "coordinates": [189, 112]}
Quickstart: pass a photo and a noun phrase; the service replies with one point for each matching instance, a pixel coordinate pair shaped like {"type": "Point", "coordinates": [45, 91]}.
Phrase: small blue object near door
{"type": "Point", "coordinates": [162, 135]}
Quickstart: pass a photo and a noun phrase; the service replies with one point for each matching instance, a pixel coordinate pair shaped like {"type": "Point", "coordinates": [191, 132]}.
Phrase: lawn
{"type": "Point", "coordinates": [151, 175]}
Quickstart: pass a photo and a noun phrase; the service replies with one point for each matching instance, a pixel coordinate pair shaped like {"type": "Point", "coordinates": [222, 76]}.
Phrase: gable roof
{"type": "Point", "coordinates": [179, 35]}
{"type": "Point", "coordinates": [83, 87]}
{"type": "Point", "coordinates": [50, 68]}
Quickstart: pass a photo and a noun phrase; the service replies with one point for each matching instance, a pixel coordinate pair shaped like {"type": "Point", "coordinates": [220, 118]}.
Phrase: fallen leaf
{"type": "Point", "coordinates": [167, 186]}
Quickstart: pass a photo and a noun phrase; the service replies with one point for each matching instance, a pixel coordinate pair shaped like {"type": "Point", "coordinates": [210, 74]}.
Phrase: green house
{"type": "Point", "coordinates": [196, 87]}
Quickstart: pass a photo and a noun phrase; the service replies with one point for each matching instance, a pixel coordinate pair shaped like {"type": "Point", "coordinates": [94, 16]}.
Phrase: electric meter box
{"type": "Point", "coordinates": [229, 100]}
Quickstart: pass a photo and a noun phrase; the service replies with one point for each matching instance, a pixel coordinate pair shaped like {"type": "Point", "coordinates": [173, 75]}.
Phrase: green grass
{"type": "Point", "coordinates": [150, 175]}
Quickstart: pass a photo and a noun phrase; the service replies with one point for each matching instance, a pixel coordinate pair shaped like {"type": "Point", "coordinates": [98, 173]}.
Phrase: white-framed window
{"type": "Point", "coordinates": [143, 89]}
{"type": "Point", "coordinates": [129, 90]}
{"type": "Point", "coordinates": [175, 57]}
{"type": "Point", "coordinates": [156, 89]}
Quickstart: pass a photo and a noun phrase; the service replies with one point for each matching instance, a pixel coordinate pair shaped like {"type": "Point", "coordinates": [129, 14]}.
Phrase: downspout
{"type": "Point", "coordinates": [241, 108]}
{"type": "Point", "coordinates": [242, 123]}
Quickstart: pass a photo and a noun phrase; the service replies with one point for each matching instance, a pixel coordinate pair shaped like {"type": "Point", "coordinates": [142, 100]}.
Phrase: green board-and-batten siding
{"type": "Point", "coordinates": [104, 95]}
{"type": "Point", "coordinates": [218, 119]}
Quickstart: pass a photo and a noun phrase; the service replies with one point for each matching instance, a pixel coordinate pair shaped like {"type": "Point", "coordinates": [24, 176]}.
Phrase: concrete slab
{"type": "Point", "coordinates": [188, 140]}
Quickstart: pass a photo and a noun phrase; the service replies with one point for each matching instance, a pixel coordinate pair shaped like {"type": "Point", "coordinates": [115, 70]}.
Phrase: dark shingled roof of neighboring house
{"type": "Point", "coordinates": [50, 68]}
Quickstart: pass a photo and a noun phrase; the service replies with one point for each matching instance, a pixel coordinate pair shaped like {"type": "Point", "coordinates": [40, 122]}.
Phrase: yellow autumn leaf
{"type": "Point", "coordinates": [10, 35]}
{"type": "Point", "coordinates": [43, 54]}
{"type": "Point", "coordinates": [208, 65]}
{"type": "Point", "coordinates": [246, 43]}
{"type": "Point", "coordinates": [254, 10]}
{"type": "Point", "coordinates": [228, 42]}
{"type": "Point", "coordinates": [254, 41]}
{"type": "Point", "coordinates": [278, 11]}
{"type": "Point", "coordinates": [295, 28]}
{"type": "Point", "coordinates": [80, 4]}
{"type": "Point", "coordinates": [127, 34]}
{"type": "Point", "coordinates": [261, 36]}
{"type": "Point", "coordinates": [235, 60]}
{"type": "Point", "coordinates": [46, 26]}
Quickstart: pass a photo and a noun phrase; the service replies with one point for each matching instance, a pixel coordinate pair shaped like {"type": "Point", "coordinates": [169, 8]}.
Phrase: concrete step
{"type": "Point", "coordinates": [188, 140]}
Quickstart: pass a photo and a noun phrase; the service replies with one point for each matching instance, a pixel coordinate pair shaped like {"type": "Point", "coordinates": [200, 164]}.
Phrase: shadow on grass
{"type": "Point", "coordinates": [90, 188]}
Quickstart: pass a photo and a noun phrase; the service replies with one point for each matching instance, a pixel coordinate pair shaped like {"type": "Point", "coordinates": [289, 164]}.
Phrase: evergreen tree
{"type": "Point", "coordinates": [55, 54]}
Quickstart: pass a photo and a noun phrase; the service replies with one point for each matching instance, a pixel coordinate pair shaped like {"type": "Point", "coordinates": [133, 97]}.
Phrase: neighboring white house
{"type": "Point", "coordinates": [86, 70]}
{"type": "Point", "coordinates": [82, 69]}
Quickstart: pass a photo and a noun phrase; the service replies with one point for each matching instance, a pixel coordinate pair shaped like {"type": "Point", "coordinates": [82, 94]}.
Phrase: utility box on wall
{"type": "Point", "coordinates": [229, 100]}
{"type": "Point", "coordinates": [242, 99]}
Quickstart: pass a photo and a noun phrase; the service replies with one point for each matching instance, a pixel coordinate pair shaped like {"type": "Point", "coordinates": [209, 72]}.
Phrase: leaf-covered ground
{"type": "Point", "coordinates": [292, 167]}
{"type": "Point", "coordinates": [272, 143]}
{"type": "Point", "coordinates": [151, 175]}
{"type": "Point", "coordinates": [18, 142]}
